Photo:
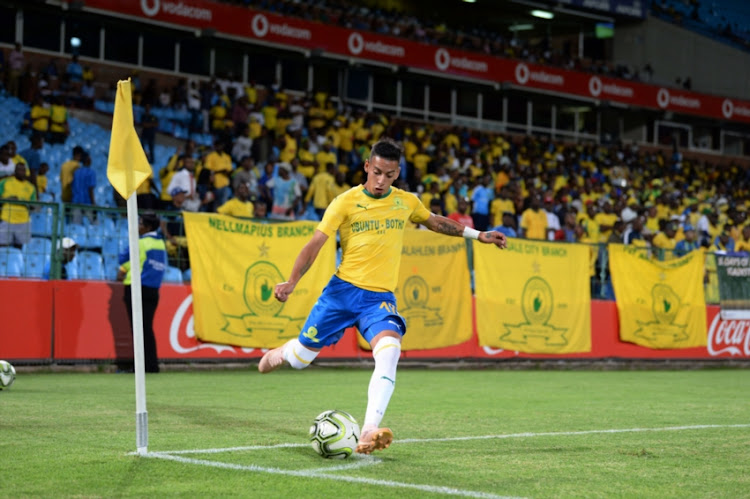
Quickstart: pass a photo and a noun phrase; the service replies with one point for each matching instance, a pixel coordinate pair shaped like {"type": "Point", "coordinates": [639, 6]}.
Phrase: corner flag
{"type": "Point", "coordinates": [127, 168]}
{"type": "Point", "coordinates": [125, 149]}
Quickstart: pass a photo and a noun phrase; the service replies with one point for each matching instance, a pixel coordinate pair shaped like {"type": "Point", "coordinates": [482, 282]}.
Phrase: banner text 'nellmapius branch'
{"type": "Point", "coordinates": [236, 264]}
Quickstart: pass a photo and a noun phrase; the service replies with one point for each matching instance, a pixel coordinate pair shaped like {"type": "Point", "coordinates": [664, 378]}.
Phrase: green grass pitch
{"type": "Point", "coordinates": [470, 433]}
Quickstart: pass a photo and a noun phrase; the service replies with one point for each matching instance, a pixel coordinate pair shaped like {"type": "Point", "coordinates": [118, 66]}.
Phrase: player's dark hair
{"type": "Point", "coordinates": [387, 149]}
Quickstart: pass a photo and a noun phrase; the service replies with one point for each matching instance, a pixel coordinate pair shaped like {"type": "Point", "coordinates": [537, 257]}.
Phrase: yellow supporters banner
{"type": "Point", "coordinates": [660, 304]}
{"type": "Point", "coordinates": [533, 297]}
{"type": "Point", "coordinates": [235, 266]}
{"type": "Point", "coordinates": [433, 292]}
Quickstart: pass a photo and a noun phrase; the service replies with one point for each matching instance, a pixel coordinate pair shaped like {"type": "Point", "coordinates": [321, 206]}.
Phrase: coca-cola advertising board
{"type": "Point", "coordinates": [81, 320]}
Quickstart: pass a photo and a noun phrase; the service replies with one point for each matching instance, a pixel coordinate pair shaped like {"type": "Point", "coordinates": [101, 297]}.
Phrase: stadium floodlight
{"type": "Point", "coordinates": [543, 14]}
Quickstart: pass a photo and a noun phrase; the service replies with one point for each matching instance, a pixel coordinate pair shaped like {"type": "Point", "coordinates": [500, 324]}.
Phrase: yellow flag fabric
{"type": "Point", "coordinates": [660, 304]}
{"type": "Point", "coordinates": [533, 297]}
{"type": "Point", "coordinates": [433, 292]}
{"type": "Point", "coordinates": [236, 264]}
{"type": "Point", "coordinates": [126, 155]}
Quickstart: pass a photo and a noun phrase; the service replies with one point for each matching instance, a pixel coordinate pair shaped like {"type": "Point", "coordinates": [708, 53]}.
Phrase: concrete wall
{"type": "Point", "coordinates": [673, 52]}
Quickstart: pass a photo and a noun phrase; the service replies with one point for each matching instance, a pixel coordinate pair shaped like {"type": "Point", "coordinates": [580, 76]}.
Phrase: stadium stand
{"type": "Point", "coordinates": [657, 184]}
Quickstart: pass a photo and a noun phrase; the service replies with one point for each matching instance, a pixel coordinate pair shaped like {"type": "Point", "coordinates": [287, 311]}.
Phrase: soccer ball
{"type": "Point", "coordinates": [8, 375]}
{"type": "Point", "coordinates": [334, 434]}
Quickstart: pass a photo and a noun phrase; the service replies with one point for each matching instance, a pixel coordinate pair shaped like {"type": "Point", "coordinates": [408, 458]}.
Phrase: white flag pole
{"type": "Point", "coordinates": [141, 415]}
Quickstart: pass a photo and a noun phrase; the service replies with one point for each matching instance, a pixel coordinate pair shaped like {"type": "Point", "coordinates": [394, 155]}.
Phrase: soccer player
{"type": "Point", "coordinates": [371, 219]}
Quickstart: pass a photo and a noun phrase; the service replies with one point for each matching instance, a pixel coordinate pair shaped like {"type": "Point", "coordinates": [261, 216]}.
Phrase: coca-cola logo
{"type": "Point", "coordinates": [182, 334]}
{"type": "Point", "coordinates": [492, 351]}
{"type": "Point", "coordinates": [729, 337]}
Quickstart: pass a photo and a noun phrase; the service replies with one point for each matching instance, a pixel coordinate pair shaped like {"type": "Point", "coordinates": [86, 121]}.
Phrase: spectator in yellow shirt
{"type": "Point", "coordinates": [66, 174]}
{"type": "Point", "coordinates": [664, 242]}
{"type": "Point", "coordinates": [534, 220]}
{"type": "Point", "coordinates": [321, 189]}
{"type": "Point", "coordinates": [340, 185]}
{"type": "Point", "coordinates": [220, 164]}
{"type": "Point", "coordinates": [40, 116]}
{"type": "Point", "coordinates": [41, 179]}
{"type": "Point", "coordinates": [240, 205]}
{"type": "Point", "coordinates": [15, 225]}
{"type": "Point", "coordinates": [325, 156]}
{"type": "Point", "coordinates": [58, 128]}
{"type": "Point", "coordinates": [743, 242]}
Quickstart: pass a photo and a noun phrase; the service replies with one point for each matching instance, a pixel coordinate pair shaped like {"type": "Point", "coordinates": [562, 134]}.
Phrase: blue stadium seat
{"type": "Point", "coordinates": [90, 265]}
{"type": "Point", "coordinates": [111, 265]}
{"type": "Point", "coordinates": [111, 246]}
{"type": "Point", "coordinates": [34, 265]}
{"type": "Point", "coordinates": [78, 233]}
{"type": "Point", "coordinates": [11, 262]}
{"type": "Point", "coordinates": [72, 268]}
{"type": "Point", "coordinates": [41, 223]}
{"type": "Point", "coordinates": [173, 274]}
{"type": "Point", "coordinates": [39, 246]}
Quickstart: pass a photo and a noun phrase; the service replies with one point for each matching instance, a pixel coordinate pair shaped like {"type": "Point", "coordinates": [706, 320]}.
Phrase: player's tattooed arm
{"type": "Point", "coordinates": [449, 229]}
{"type": "Point", "coordinates": [443, 225]}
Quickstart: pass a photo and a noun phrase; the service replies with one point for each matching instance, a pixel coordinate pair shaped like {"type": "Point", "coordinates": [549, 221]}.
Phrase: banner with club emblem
{"type": "Point", "coordinates": [236, 264]}
{"type": "Point", "coordinates": [533, 297]}
{"type": "Point", "coordinates": [433, 292]}
{"type": "Point", "coordinates": [660, 304]}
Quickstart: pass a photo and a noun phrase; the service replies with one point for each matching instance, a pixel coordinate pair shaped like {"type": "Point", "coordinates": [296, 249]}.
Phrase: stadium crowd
{"type": "Point", "coordinates": [285, 156]}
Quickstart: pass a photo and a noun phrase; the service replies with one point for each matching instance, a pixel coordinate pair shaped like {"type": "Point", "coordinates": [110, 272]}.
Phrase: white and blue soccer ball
{"type": "Point", "coordinates": [7, 374]}
{"type": "Point", "coordinates": [334, 434]}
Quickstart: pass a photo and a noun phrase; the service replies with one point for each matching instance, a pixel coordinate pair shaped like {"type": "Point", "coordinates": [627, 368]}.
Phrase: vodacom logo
{"type": "Point", "coordinates": [355, 43]}
{"type": "Point", "coordinates": [595, 86]}
{"type": "Point", "coordinates": [442, 59]}
{"type": "Point", "coordinates": [259, 25]}
{"type": "Point", "coordinates": [182, 322]}
{"type": "Point", "coordinates": [727, 108]}
{"type": "Point", "coordinates": [522, 73]}
{"type": "Point", "coordinates": [150, 8]}
{"type": "Point", "coordinates": [662, 97]}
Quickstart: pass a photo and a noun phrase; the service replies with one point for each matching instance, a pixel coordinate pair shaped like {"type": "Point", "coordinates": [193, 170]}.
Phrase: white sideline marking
{"type": "Point", "coordinates": [458, 439]}
{"type": "Point", "coordinates": [317, 474]}
{"type": "Point", "coordinates": [369, 460]}
{"type": "Point", "coordinates": [572, 433]}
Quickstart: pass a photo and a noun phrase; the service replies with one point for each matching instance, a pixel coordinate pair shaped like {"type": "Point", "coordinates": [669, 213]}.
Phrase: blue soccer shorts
{"type": "Point", "coordinates": [342, 305]}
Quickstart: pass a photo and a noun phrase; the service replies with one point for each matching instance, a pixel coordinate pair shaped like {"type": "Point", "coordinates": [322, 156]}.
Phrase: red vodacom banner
{"type": "Point", "coordinates": [299, 33]}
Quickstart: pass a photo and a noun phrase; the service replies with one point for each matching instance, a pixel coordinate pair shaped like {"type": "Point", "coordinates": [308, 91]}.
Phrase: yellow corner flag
{"type": "Point", "coordinates": [126, 153]}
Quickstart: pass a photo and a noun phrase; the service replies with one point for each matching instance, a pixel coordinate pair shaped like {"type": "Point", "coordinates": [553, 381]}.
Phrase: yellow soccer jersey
{"type": "Point", "coordinates": [372, 234]}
